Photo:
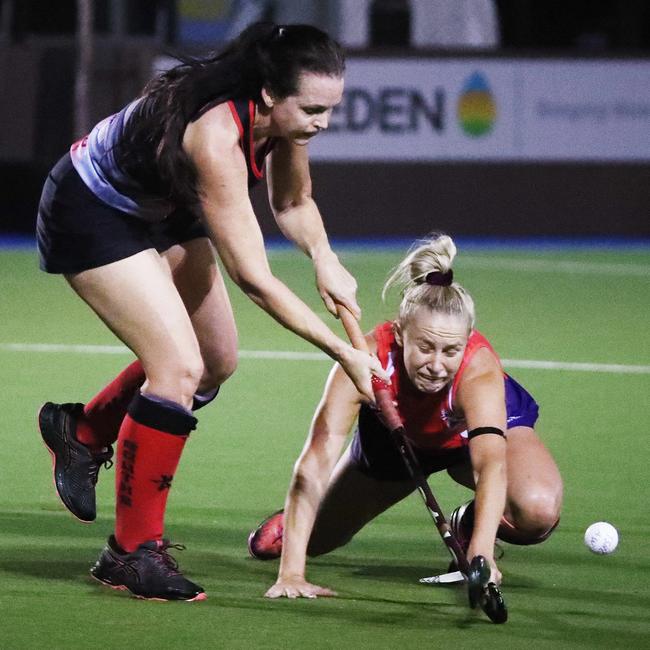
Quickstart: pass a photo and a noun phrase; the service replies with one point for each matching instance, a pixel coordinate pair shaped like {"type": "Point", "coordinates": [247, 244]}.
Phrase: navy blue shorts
{"type": "Point", "coordinates": [76, 231]}
{"type": "Point", "coordinates": [374, 452]}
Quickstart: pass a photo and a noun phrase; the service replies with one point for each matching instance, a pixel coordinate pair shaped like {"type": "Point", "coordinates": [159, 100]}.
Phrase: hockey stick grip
{"type": "Point", "coordinates": [382, 390]}
{"type": "Point", "coordinates": [352, 329]}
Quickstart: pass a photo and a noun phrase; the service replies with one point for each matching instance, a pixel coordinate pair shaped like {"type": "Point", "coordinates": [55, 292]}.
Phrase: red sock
{"type": "Point", "coordinates": [150, 443]}
{"type": "Point", "coordinates": [103, 415]}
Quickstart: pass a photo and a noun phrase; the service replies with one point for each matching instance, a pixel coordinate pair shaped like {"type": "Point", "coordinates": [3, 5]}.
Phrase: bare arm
{"type": "Point", "coordinates": [332, 422]}
{"type": "Point", "coordinates": [212, 144]}
{"type": "Point", "coordinates": [298, 218]}
{"type": "Point", "coordinates": [481, 395]}
{"type": "Point", "coordinates": [334, 417]}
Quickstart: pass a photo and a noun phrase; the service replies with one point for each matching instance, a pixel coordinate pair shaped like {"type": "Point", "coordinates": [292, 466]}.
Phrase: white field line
{"type": "Point", "coordinates": [616, 368]}
{"type": "Point", "coordinates": [555, 266]}
{"type": "Point", "coordinates": [286, 355]}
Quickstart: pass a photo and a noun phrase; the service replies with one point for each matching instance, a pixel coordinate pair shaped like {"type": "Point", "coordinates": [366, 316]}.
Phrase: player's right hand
{"type": "Point", "coordinates": [360, 367]}
{"type": "Point", "coordinates": [297, 587]}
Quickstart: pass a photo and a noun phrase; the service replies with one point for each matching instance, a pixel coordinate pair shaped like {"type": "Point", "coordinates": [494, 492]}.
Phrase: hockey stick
{"type": "Point", "coordinates": [481, 591]}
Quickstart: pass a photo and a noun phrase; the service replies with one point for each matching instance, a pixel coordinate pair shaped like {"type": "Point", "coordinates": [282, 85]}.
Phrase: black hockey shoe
{"type": "Point", "coordinates": [75, 467]}
{"type": "Point", "coordinates": [149, 572]}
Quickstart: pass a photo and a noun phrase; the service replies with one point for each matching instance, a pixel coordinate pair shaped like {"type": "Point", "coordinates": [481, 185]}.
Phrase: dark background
{"type": "Point", "coordinates": [38, 60]}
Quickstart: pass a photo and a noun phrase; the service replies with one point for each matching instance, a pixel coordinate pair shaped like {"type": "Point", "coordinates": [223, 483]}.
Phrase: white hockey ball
{"type": "Point", "coordinates": [601, 538]}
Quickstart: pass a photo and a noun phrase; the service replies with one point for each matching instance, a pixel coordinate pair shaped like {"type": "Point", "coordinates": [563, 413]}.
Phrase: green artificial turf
{"type": "Point", "coordinates": [567, 306]}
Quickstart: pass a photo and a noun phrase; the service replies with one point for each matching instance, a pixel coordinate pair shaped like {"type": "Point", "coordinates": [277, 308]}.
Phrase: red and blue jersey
{"type": "Point", "coordinates": [431, 421]}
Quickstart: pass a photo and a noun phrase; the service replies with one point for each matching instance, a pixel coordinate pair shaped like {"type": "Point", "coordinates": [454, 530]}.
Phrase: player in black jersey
{"type": "Point", "coordinates": [126, 216]}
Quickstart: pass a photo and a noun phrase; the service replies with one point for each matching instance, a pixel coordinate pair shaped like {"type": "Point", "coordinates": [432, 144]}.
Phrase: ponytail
{"type": "Point", "coordinates": [425, 278]}
{"type": "Point", "coordinates": [264, 55]}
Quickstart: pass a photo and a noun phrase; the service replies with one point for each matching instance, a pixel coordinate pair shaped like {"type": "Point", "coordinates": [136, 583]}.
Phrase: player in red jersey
{"type": "Point", "coordinates": [461, 412]}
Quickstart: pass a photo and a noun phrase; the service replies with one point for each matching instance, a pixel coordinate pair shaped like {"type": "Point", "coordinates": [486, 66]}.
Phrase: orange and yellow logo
{"type": "Point", "coordinates": [476, 108]}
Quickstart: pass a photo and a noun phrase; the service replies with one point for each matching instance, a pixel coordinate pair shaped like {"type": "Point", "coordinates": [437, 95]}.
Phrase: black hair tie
{"type": "Point", "coordinates": [440, 279]}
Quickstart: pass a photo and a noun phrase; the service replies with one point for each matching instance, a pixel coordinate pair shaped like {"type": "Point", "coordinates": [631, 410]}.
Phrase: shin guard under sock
{"type": "Point", "coordinates": [103, 415]}
{"type": "Point", "coordinates": [150, 443]}
{"type": "Point", "coordinates": [203, 399]}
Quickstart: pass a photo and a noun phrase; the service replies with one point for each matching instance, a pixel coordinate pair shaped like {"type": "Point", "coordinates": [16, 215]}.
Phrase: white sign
{"type": "Point", "coordinates": [478, 109]}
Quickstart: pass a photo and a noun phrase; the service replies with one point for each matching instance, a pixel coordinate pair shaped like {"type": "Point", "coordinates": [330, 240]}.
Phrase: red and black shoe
{"type": "Point", "coordinates": [149, 572]}
{"type": "Point", "coordinates": [76, 468]}
{"type": "Point", "coordinates": [461, 522]}
{"type": "Point", "coordinates": [265, 542]}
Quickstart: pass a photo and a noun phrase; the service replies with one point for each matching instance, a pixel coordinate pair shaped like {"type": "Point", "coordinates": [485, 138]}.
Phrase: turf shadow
{"type": "Point", "coordinates": [45, 524]}
{"type": "Point", "coordinates": [56, 567]}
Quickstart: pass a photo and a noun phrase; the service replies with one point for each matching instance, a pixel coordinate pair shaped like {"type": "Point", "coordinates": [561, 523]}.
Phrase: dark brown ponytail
{"type": "Point", "coordinates": [263, 55]}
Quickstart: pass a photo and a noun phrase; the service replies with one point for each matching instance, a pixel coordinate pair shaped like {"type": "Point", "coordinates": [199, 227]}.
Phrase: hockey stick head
{"type": "Point", "coordinates": [483, 593]}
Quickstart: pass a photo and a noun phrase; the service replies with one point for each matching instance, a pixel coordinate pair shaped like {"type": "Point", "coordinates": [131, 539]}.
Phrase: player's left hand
{"type": "Point", "coordinates": [336, 285]}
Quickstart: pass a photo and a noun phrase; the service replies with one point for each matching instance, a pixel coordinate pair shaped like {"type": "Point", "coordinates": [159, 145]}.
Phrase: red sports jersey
{"type": "Point", "coordinates": [429, 419]}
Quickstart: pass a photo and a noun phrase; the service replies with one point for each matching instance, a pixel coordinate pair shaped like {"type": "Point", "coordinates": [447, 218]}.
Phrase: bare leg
{"type": "Point", "coordinates": [200, 284]}
{"type": "Point", "coordinates": [351, 501]}
{"type": "Point", "coordinates": [192, 265]}
{"type": "Point", "coordinates": [534, 496]}
{"type": "Point", "coordinates": [138, 301]}
{"type": "Point", "coordinates": [534, 488]}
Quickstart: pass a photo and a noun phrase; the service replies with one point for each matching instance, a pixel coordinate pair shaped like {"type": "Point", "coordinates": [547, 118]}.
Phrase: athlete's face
{"type": "Point", "coordinates": [301, 116]}
{"type": "Point", "coordinates": [433, 346]}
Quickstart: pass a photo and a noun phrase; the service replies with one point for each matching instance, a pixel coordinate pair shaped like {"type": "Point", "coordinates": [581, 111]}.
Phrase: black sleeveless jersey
{"type": "Point", "coordinates": [243, 113]}
{"type": "Point", "coordinates": [133, 183]}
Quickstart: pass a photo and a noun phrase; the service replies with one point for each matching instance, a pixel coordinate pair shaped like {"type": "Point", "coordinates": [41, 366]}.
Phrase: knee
{"type": "Point", "coordinates": [189, 375]}
{"type": "Point", "coordinates": [176, 379]}
{"type": "Point", "coordinates": [536, 515]}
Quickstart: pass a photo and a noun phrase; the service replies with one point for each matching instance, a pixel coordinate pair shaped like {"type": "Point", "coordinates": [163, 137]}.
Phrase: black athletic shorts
{"type": "Point", "coordinates": [374, 453]}
{"type": "Point", "coordinates": [76, 231]}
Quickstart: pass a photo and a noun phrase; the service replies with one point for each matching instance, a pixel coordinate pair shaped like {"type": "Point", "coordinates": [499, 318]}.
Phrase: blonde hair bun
{"type": "Point", "coordinates": [432, 255]}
